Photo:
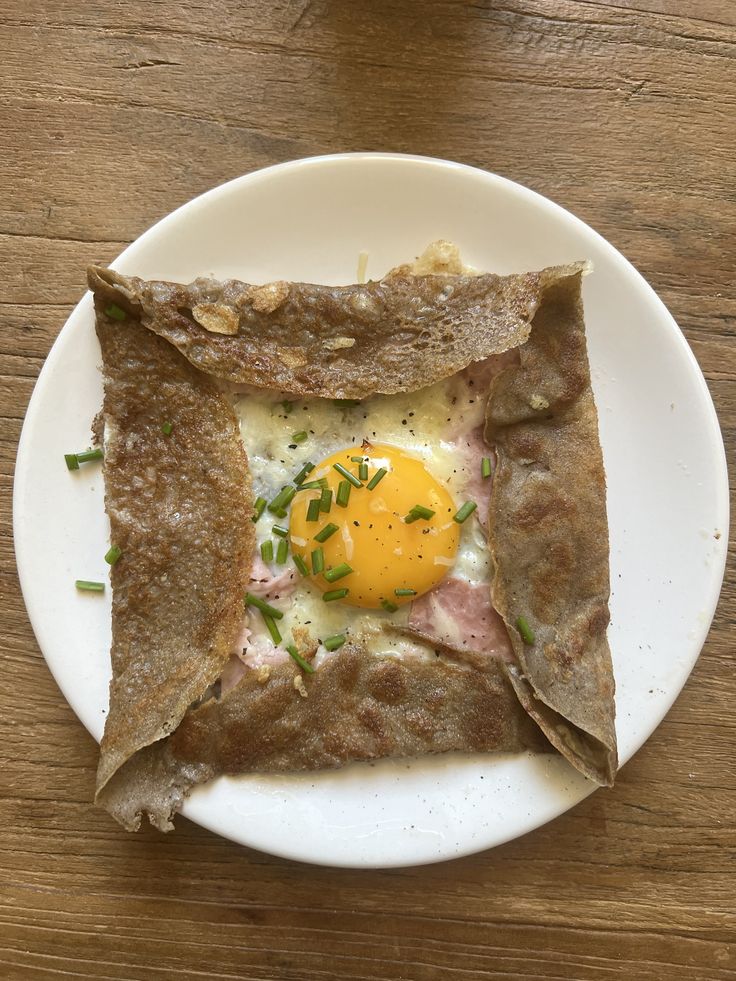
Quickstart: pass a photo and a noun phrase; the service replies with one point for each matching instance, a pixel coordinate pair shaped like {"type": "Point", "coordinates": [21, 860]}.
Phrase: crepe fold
{"type": "Point", "coordinates": [548, 535]}
{"type": "Point", "coordinates": [356, 706]}
{"type": "Point", "coordinates": [179, 508]}
{"type": "Point", "coordinates": [397, 334]}
{"type": "Point", "coordinates": [547, 525]}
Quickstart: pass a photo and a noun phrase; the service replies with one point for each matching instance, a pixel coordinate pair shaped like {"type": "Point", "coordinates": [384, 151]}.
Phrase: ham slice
{"type": "Point", "coordinates": [243, 637]}
{"type": "Point", "coordinates": [231, 674]}
{"type": "Point", "coordinates": [255, 653]}
{"type": "Point", "coordinates": [468, 438]}
{"type": "Point", "coordinates": [458, 614]}
{"type": "Point", "coordinates": [471, 448]}
{"type": "Point", "coordinates": [480, 374]}
{"type": "Point", "coordinates": [266, 585]}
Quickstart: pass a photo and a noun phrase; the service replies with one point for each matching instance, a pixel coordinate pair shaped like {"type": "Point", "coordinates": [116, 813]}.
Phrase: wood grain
{"type": "Point", "coordinates": [115, 113]}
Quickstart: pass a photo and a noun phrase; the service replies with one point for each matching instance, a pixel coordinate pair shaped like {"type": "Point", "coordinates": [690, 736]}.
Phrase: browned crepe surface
{"type": "Point", "coordinates": [255, 727]}
{"type": "Point", "coordinates": [357, 706]}
{"type": "Point", "coordinates": [548, 534]}
{"type": "Point", "coordinates": [394, 335]}
{"type": "Point", "coordinates": [180, 509]}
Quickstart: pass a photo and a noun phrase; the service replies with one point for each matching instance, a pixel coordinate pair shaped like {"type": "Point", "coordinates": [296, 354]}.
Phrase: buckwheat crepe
{"type": "Point", "coordinates": [188, 539]}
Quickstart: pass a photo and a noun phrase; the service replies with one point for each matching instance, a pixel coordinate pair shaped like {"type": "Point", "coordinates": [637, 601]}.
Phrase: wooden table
{"type": "Point", "coordinates": [115, 113]}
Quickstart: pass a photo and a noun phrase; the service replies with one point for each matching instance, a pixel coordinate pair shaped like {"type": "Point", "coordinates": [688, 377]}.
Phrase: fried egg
{"type": "Point", "coordinates": [428, 444]}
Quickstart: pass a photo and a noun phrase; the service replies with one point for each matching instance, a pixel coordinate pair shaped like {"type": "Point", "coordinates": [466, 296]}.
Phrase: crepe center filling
{"type": "Point", "coordinates": [355, 553]}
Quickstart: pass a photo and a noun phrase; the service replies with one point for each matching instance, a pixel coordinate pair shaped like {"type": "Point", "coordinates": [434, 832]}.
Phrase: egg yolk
{"type": "Point", "coordinates": [383, 550]}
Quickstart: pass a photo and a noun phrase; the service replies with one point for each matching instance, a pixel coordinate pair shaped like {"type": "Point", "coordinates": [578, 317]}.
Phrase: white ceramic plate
{"type": "Point", "coordinates": [668, 494]}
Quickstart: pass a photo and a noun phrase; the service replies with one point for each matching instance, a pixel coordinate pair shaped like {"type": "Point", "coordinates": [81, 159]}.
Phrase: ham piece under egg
{"type": "Point", "coordinates": [470, 444]}
{"type": "Point", "coordinates": [456, 614]}
{"type": "Point", "coordinates": [459, 615]}
{"type": "Point", "coordinates": [267, 586]}
{"type": "Point", "coordinates": [251, 654]}
{"type": "Point", "coordinates": [472, 448]}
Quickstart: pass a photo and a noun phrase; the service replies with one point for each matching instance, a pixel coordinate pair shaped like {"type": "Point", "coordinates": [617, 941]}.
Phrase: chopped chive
{"type": "Point", "coordinates": [344, 472]}
{"type": "Point", "coordinates": [326, 532]}
{"type": "Point", "coordinates": [343, 493]}
{"type": "Point", "coordinates": [278, 512]}
{"type": "Point", "coordinates": [332, 643]}
{"type": "Point", "coordinates": [85, 586]}
{"type": "Point", "coordinates": [115, 312]}
{"type": "Point", "coordinates": [405, 592]}
{"type": "Point", "coordinates": [314, 484]}
{"type": "Point", "coordinates": [525, 631]}
{"type": "Point", "coordinates": [167, 428]}
{"type": "Point", "coordinates": [346, 403]}
{"type": "Point", "coordinates": [339, 572]}
{"type": "Point", "coordinates": [325, 500]}
{"type": "Point", "coordinates": [113, 554]}
{"type": "Point", "coordinates": [304, 665]}
{"type": "Point", "coordinates": [301, 565]}
{"type": "Point", "coordinates": [465, 511]}
{"type": "Point", "coordinates": [287, 495]}
{"type": "Point", "coordinates": [282, 552]}
{"type": "Point", "coordinates": [277, 501]}
{"type": "Point", "coordinates": [335, 594]}
{"type": "Point", "coordinates": [485, 467]}
{"type": "Point", "coordinates": [258, 508]}
{"type": "Point", "coordinates": [376, 478]}
{"type": "Point", "coordinates": [299, 437]}
{"type": "Point", "coordinates": [357, 459]}
{"type": "Point", "coordinates": [300, 477]}
{"type": "Point", "coordinates": [86, 455]}
{"type": "Point", "coordinates": [267, 551]}
{"type": "Point", "coordinates": [263, 606]}
{"type": "Point", "coordinates": [363, 471]}
{"type": "Point", "coordinates": [272, 628]}
{"type": "Point", "coordinates": [284, 497]}
{"type": "Point", "coordinates": [73, 460]}
{"type": "Point", "coordinates": [389, 606]}
{"type": "Point", "coordinates": [280, 531]}
{"type": "Point", "coordinates": [318, 561]}
{"type": "Point", "coordinates": [417, 512]}
{"type": "Point", "coordinates": [288, 406]}
{"type": "Point", "coordinates": [313, 509]}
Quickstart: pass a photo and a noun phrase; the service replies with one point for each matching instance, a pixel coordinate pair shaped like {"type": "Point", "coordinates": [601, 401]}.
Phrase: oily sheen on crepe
{"type": "Point", "coordinates": [548, 529]}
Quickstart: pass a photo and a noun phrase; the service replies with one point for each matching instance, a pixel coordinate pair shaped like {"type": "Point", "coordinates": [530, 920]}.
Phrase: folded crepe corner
{"type": "Point", "coordinates": [180, 508]}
